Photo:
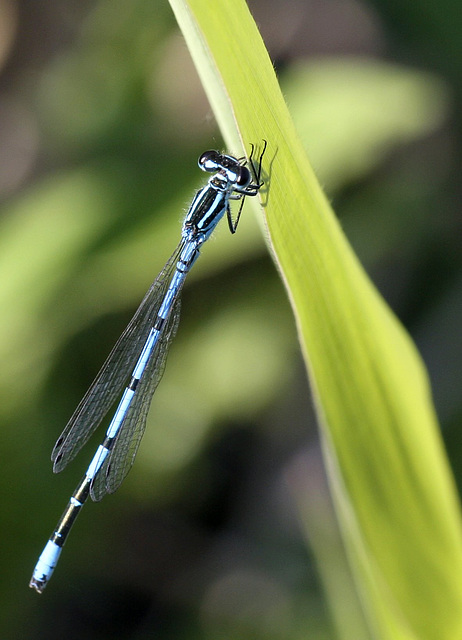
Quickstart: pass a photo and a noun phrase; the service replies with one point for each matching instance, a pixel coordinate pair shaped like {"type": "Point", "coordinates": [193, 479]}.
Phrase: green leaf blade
{"type": "Point", "coordinates": [392, 487]}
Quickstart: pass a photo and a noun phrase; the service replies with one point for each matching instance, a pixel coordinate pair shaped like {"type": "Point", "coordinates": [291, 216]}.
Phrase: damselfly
{"type": "Point", "coordinates": [139, 355]}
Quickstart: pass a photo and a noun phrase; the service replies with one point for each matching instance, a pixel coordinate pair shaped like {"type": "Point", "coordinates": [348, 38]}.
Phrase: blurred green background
{"type": "Point", "coordinates": [102, 118]}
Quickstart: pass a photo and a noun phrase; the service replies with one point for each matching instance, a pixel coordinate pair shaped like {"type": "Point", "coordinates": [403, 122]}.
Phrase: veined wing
{"type": "Point", "coordinates": [122, 455]}
{"type": "Point", "coordinates": [114, 373]}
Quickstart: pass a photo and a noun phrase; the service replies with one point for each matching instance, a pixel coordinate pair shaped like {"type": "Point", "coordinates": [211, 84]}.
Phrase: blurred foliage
{"type": "Point", "coordinates": [351, 112]}
{"type": "Point", "coordinates": [102, 119]}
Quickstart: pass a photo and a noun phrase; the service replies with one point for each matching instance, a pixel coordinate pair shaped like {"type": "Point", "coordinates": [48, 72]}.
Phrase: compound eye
{"type": "Point", "coordinates": [244, 177]}
{"type": "Point", "coordinates": [209, 161]}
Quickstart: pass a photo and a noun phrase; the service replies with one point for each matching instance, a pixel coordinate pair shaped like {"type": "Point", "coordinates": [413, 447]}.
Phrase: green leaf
{"type": "Point", "coordinates": [392, 487]}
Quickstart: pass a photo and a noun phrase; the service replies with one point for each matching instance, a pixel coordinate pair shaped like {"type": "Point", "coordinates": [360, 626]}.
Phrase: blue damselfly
{"type": "Point", "coordinates": [136, 363]}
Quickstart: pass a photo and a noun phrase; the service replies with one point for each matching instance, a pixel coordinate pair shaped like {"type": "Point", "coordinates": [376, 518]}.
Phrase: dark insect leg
{"type": "Point", "coordinates": [252, 188]}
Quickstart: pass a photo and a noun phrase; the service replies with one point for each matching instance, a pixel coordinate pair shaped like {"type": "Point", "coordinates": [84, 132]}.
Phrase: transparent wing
{"type": "Point", "coordinates": [114, 373]}
{"type": "Point", "coordinates": [122, 455]}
